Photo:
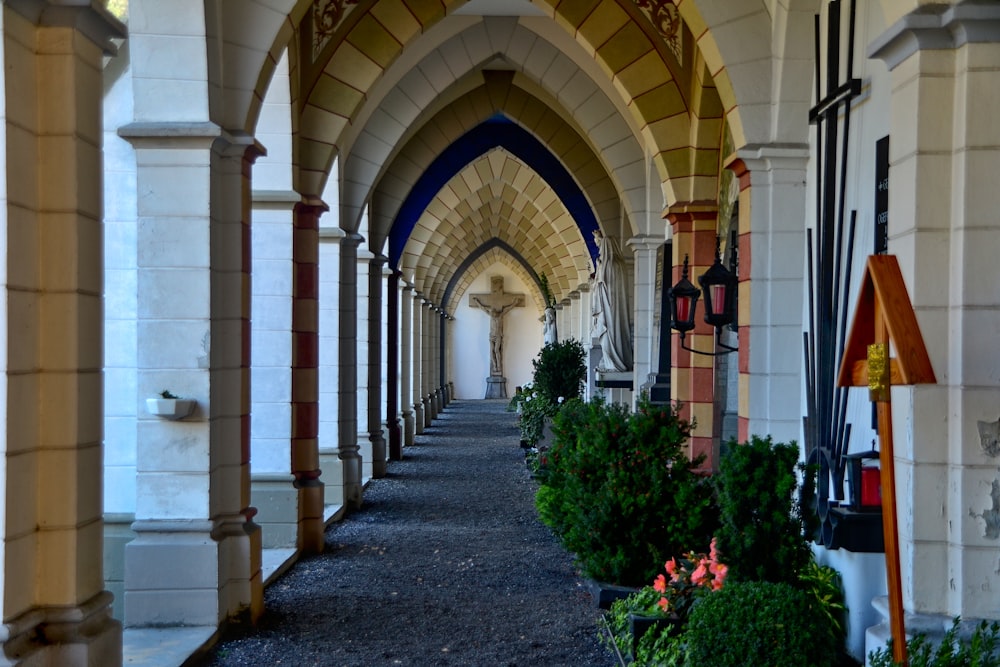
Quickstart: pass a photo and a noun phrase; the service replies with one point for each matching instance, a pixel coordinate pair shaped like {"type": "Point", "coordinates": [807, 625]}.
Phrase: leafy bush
{"type": "Point", "coordinates": [980, 650]}
{"type": "Point", "coordinates": [762, 537]}
{"type": "Point", "coordinates": [823, 583]}
{"type": "Point", "coordinates": [619, 491]}
{"type": "Point", "coordinates": [559, 371]}
{"type": "Point", "coordinates": [758, 623]}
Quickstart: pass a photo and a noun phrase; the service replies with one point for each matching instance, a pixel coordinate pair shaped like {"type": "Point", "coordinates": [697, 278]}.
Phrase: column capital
{"type": "Point", "coordinates": [645, 242]}
{"type": "Point", "coordinates": [351, 239]}
{"type": "Point", "coordinates": [937, 26]}
{"type": "Point", "coordinates": [92, 20]}
{"type": "Point", "coordinates": [767, 157]}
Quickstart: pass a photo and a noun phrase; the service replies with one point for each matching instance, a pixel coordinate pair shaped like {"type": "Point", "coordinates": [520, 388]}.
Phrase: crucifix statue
{"type": "Point", "coordinates": [496, 304]}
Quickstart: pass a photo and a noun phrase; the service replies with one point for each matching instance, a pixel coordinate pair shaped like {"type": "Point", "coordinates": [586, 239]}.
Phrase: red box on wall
{"type": "Point", "coordinates": [871, 486]}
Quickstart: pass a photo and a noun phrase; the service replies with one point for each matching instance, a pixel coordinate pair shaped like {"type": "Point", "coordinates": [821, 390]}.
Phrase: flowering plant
{"type": "Point", "coordinates": [689, 576]}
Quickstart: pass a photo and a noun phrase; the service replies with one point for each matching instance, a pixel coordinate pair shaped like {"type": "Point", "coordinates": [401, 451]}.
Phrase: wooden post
{"type": "Point", "coordinates": [890, 520]}
{"type": "Point", "coordinates": [884, 315]}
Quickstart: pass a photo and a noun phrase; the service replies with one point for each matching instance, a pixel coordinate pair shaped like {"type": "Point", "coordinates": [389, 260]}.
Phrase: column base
{"type": "Point", "coordinates": [379, 465]}
{"type": "Point", "coordinates": [427, 411]}
{"type": "Point", "coordinates": [496, 386]}
{"type": "Point", "coordinates": [418, 418]}
{"type": "Point", "coordinates": [409, 428]}
{"type": "Point", "coordinates": [932, 625]}
{"type": "Point", "coordinates": [278, 500]}
{"type": "Point", "coordinates": [84, 634]}
{"type": "Point", "coordinates": [658, 388]}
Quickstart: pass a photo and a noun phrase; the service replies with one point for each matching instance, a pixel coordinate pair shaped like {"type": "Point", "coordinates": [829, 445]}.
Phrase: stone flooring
{"type": "Point", "coordinates": [445, 564]}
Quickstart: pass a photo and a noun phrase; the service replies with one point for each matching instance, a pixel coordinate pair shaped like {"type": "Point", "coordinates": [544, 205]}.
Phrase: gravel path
{"type": "Point", "coordinates": [446, 564]}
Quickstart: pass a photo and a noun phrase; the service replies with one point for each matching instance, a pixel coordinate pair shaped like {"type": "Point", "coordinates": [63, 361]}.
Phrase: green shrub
{"type": "Point", "coordinates": [559, 371]}
{"type": "Point", "coordinates": [823, 583]}
{"type": "Point", "coordinates": [762, 536]}
{"type": "Point", "coordinates": [979, 650]}
{"type": "Point", "coordinates": [619, 491]}
{"type": "Point", "coordinates": [758, 623]}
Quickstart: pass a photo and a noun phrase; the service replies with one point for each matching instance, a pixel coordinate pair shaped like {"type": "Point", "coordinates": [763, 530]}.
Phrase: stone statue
{"type": "Point", "coordinates": [550, 336]}
{"type": "Point", "coordinates": [610, 308]}
{"type": "Point", "coordinates": [496, 304]}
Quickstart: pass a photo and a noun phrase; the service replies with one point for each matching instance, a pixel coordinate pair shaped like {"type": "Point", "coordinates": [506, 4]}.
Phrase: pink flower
{"type": "Point", "coordinates": [660, 584]}
{"type": "Point", "coordinates": [671, 567]}
{"type": "Point", "coordinates": [664, 604]}
{"type": "Point", "coordinates": [700, 573]}
{"type": "Point", "coordinates": [713, 551]}
{"type": "Point", "coordinates": [720, 576]}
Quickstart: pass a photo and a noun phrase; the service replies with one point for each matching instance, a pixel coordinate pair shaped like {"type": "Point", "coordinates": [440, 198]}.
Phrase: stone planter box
{"type": "Point", "coordinates": [170, 408]}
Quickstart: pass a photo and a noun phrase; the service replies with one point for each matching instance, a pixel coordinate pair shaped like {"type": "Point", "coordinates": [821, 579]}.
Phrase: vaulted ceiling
{"type": "Point", "coordinates": [502, 130]}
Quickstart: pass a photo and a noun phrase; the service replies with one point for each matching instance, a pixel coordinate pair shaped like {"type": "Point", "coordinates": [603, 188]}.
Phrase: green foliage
{"type": "Point", "coordinates": [979, 650]}
{"type": "Point", "coordinates": [823, 583]}
{"type": "Point", "coordinates": [619, 491]}
{"type": "Point", "coordinates": [642, 602]}
{"type": "Point", "coordinates": [559, 371]}
{"type": "Point", "coordinates": [532, 409]}
{"type": "Point", "coordinates": [762, 537]}
{"type": "Point", "coordinates": [758, 623]}
{"type": "Point", "coordinates": [550, 300]}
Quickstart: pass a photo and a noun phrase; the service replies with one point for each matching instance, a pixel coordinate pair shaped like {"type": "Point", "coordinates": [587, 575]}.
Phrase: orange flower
{"type": "Point", "coordinates": [700, 574]}
{"type": "Point", "coordinates": [664, 604]}
{"type": "Point", "coordinates": [671, 567]}
{"type": "Point", "coordinates": [660, 584]}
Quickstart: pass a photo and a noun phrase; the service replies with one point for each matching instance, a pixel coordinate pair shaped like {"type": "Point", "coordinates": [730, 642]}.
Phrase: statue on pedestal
{"type": "Point", "coordinates": [610, 308]}
{"type": "Point", "coordinates": [496, 304]}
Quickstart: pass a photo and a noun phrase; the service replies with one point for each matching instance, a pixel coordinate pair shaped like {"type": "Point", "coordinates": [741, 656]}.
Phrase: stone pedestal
{"type": "Point", "coordinates": [496, 386]}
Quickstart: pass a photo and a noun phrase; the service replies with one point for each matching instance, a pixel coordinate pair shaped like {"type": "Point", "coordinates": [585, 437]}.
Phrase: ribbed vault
{"type": "Point", "coordinates": [496, 197]}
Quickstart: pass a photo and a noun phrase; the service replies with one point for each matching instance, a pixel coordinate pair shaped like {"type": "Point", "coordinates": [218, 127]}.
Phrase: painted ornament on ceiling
{"type": "Point", "coordinates": [327, 16]}
{"type": "Point", "coordinates": [666, 19]}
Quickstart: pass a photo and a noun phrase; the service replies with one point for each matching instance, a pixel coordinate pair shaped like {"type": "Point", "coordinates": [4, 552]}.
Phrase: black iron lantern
{"type": "Point", "coordinates": [683, 302]}
{"type": "Point", "coordinates": [719, 284]}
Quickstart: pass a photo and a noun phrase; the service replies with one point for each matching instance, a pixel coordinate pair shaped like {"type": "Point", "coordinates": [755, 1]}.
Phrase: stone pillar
{"type": "Point", "coordinates": [693, 378]}
{"type": "Point", "coordinates": [406, 364]}
{"type": "Point", "coordinates": [305, 376]}
{"type": "Point", "coordinates": [196, 556]}
{"type": "Point", "coordinates": [350, 457]}
{"type": "Point", "coordinates": [448, 372]}
{"type": "Point", "coordinates": [585, 324]}
{"type": "Point", "coordinates": [273, 487]}
{"type": "Point", "coordinates": [437, 387]}
{"type": "Point", "coordinates": [334, 501]}
{"type": "Point", "coordinates": [644, 248]}
{"type": "Point", "coordinates": [363, 322]}
{"type": "Point", "coordinates": [375, 266]}
{"type": "Point", "coordinates": [426, 361]}
{"type": "Point", "coordinates": [55, 607]}
{"type": "Point", "coordinates": [420, 420]}
{"type": "Point", "coordinates": [771, 205]}
{"type": "Point", "coordinates": [943, 199]}
{"type": "Point", "coordinates": [393, 385]}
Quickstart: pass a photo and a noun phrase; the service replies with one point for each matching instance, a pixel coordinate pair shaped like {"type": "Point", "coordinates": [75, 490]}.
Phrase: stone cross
{"type": "Point", "coordinates": [496, 304]}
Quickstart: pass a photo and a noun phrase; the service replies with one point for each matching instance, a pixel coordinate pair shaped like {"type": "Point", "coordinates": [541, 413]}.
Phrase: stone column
{"type": "Point", "coordinates": [393, 366]}
{"type": "Point", "coordinates": [273, 487]}
{"type": "Point", "coordinates": [375, 266]}
{"type": "Point", "coordinates": [305, 376]}
{"type": "Point", "coordinates": [693, 381]}
{"type": "Point", "coordinates": [943, 199]}
{"type": "Point", "coordinates": [448, 347]}
{"type": "Point", "coordinates": [430, 409]}
{"type": "Point", "coordinates": [573, 317]}
{"type": "Point", "coordinates": [363, 329]}
{"type": "Point", "coordinates": [772, 198]}
{"type": "Point", "coordinates": [418, 354]}
{"type": "Point", "coordinates": [55, 607]}
{"type": "Point", "coordinates": [586, 324]}
{"type": "Point", "coordinates": [196, 556]}
{"type": "Point", "coordinates": [406, 364]}
{"type": "Point", "coordinates": [350, 457]}
{"type": "Point", "coordinates": [330, 237]}
{"type": "Point", "coordinates": [437, 389]}
{"type": "Point", "coordinates": [644, 249]}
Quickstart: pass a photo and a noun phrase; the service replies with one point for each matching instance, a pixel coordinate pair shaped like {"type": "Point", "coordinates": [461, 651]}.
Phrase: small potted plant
{"type": "Point", "coordinates": [170, 406]}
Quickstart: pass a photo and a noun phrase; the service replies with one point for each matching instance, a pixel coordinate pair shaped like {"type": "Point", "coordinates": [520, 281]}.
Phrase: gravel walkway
{"type": "Point", "coordinates": [446, 564]}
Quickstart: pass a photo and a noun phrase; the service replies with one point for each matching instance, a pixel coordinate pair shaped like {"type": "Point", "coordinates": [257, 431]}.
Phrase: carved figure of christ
{"type": "Point", "coordinates": [496, 304]}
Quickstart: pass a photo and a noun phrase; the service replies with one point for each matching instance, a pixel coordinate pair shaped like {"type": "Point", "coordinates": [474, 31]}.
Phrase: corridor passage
{"type": "Point", "coordinates": [446, 564]}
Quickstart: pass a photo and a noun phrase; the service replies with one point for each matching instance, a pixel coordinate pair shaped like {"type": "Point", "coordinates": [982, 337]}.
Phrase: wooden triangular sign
{"type": "Point", "coordinates": [883, 294]}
